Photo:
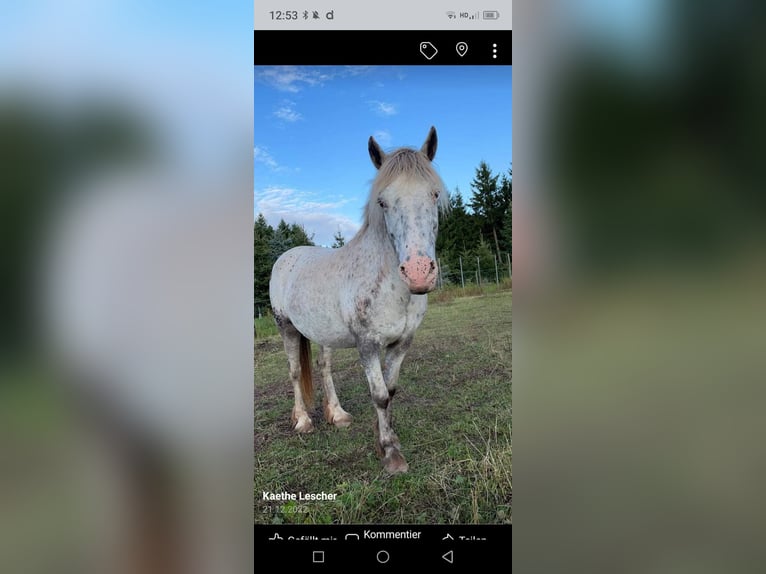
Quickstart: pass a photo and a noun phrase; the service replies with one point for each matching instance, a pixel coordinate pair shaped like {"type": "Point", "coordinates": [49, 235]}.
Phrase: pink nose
{"type": "Point", "coordinates": [419, 273]}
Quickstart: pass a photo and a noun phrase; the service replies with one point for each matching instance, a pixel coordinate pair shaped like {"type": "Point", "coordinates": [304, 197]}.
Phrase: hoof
{"type": "Point", "coordinates": [304, 425]}
{"type": "Point", "coordinates": [301, 423]}
{"type": "Point", "coordinates": [337, 416]}
{"type": "Point", "coordinates": [394, 463]}
{"type": "Point", "coordinates": [341, 418]}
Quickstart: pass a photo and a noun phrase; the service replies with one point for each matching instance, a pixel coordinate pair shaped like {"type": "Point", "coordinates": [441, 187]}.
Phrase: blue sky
{"type": "Point", "coordinates": [311, 127]}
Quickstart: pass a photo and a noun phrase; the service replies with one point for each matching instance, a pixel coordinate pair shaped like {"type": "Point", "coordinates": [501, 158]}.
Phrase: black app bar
{"type": "Point", "coordinates": [381, 47]}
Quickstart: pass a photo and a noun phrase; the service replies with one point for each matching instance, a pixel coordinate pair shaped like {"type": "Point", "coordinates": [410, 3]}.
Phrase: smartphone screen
{"type": "Point", "coordinates": [382, 283]}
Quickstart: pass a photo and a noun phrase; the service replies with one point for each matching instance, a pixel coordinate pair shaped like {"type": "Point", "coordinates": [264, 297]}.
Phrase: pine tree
{"type": "Point", "coordinates": [487, 202]}
{"type": "Point", "coordinates": [506, 194]}
{"type": "Point", "coordinates": [507, 233]}
{"type": "Point", "coordinates": [340, 241]}
{"type": "Point", "coordinates": [281, 240]}
{"type": "Point", "coordinates": [262, 230]}
{"type": "Point", "coordinates": [506, 187]}
{"type": "Point", "coordinates": [457, 232]}
{"type": "Point", "coordinates": [298, 236]}
{"type": "Point", "coordinates": [262, 261]}
{"type": "Point", "coordinates": [486, 260]}
{"type": "Point", "coordinates": [268, 245]}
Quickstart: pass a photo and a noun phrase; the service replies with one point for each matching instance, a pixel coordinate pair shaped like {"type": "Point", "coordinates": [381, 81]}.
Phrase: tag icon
{"type": "Point", "coordinates": [461, 48]}
{"type": "Point", "coordinates": [428, 50]}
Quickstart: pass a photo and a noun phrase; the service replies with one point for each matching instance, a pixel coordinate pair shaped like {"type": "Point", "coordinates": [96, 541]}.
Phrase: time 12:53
{"type": "Point", "coordinates": [284, 14]}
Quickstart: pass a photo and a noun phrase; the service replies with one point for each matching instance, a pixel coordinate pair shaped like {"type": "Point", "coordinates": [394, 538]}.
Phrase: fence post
{"type": "Point", "coordinates": [509, 265]}
{"type": "Point", "coordinates": [462, 280]}
{"type": "Point", "coordinates": [478, 272]}
{"type": "Point", "coordinates": [441, 277]}
{"type": "Point", "coordinates": [497, 277]}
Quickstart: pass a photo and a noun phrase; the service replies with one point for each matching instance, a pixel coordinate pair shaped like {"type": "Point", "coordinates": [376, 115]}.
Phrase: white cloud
{"type": "Point", "coordinates": [292, 78]}
{"type": "Point", "coordinates": [357, 70]}
{"type": "Point", "coordinates": [383, 138]}
{"type": "Point", "coordinates": [262, 155]}
{"type": "Point", "coordinates": [322, 218]}
{"type": "Point", "coordinates": [287, 112]}
{"type": "Point", "coordinates": [383, 108]}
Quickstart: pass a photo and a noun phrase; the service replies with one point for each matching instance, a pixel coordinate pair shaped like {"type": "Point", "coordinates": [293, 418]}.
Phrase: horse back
{"type": "Point", "coordinates": [303, 290]}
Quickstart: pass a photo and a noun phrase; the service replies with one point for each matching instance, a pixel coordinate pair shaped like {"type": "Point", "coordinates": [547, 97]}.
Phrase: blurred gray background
{"type": "Point", "coordinates": [639, 275]}
{"type": "Point", "coordinates": [125, 266]}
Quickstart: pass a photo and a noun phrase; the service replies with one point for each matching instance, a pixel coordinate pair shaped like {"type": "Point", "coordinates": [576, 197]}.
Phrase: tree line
{"type": "Point", "coordinates": [268, 244]}
{"type": "Point", "coordinates": [480, 228]}
{"type": "Point", "coordinates": [477, 228]}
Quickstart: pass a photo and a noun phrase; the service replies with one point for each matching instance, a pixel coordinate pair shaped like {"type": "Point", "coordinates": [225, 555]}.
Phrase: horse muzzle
{"type": "Point", "coordinates": [419, 273]}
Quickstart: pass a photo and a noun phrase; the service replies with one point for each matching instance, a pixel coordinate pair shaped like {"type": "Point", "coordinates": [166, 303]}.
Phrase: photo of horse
{"type": "Point", "coordinates": [407, 305]}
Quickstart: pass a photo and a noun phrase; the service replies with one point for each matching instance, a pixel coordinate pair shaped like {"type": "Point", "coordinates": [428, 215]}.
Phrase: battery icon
{"type": "Point", "coordinates": [491, 15]}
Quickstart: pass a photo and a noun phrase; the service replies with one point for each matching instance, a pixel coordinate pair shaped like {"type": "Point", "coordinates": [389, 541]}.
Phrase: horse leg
{"type": "Point", "coordinates": [394, 357]}
{"type": "Point", "coordinates": [333, 412]}
{"type": "Point", "coordinates": [292, 341]}
{"type": "Point", "coordinates": [387, 443]}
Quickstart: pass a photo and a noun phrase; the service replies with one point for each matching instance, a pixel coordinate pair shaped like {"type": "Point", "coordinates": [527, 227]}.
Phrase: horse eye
{"type": "Point", "coordinates": [382, 203]}
{"type": "Point", "coordinates": [436, 194]}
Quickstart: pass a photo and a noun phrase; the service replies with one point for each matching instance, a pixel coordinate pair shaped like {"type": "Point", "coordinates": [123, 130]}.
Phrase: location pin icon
{"type": "Point", "coordinates": [461, 48]}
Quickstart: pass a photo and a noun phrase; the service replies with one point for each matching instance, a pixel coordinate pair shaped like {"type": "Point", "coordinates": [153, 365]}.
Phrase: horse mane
{"type": "Point", "coordinates": [410, 164]}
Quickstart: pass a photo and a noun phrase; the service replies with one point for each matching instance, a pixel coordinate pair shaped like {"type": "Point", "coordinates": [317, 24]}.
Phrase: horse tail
{"type": "Point", "coordinates": [306, 383]}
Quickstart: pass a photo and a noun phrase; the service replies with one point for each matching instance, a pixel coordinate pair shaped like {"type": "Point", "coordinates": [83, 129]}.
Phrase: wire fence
{"type": "Point", "coordinates": [262, 308]}
{"type": "Point", "coordinates": [468, 271]}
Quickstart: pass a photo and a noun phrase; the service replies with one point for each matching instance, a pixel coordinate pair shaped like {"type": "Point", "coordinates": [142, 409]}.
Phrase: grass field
{"type": "Point", "coordinates": [452, 413]}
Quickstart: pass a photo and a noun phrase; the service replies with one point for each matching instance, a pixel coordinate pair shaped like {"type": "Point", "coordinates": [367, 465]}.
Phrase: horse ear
{"type": "Point", "coordinates": [377, 155]}
{"type": "Point", "coordinates": [429, 147]}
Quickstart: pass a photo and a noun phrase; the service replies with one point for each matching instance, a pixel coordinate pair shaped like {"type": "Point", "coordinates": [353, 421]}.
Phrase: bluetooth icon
{"type": "Point", "coordinates": [305, 14]}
